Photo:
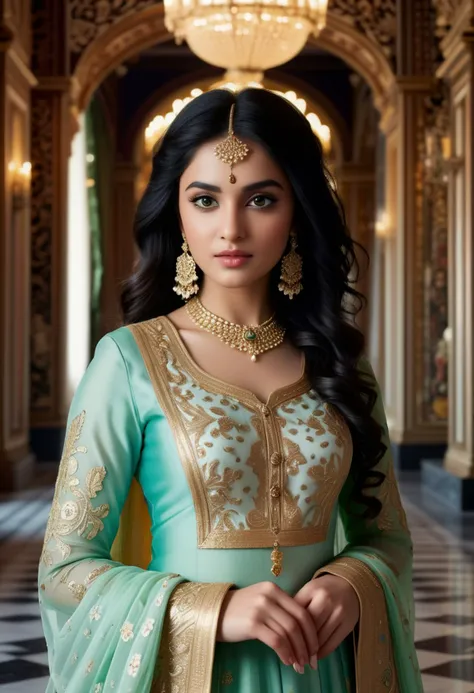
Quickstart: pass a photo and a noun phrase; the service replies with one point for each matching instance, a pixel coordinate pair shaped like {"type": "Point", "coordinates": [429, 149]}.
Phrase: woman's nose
{"type": "Point", "coordinates": [232, 228]}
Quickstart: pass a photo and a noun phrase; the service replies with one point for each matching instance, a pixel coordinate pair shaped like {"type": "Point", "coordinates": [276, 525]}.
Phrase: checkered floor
{"type": "Point", "coordinates": [443, 582]}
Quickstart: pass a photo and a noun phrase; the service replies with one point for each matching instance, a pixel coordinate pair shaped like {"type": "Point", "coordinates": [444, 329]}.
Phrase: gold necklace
{"type": "Point", "coordinates": [253, 339]}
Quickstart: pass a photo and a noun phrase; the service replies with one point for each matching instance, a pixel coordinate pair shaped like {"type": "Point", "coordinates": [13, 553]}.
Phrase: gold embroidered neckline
{"type": "Point", "coordinates": [275, 398]}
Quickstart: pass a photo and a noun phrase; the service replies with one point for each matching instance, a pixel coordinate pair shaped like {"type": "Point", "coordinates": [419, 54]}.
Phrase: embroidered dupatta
{"type": "Point", "coordinates": [108, 625]}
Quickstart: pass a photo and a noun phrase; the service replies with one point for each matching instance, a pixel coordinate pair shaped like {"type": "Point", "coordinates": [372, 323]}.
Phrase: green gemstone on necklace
{"type": "Point", "coordinates": [250, 336]}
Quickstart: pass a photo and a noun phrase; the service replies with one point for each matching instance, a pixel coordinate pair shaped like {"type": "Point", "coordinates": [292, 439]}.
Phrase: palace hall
{"type": "Point", "coordinates": [96, 98]}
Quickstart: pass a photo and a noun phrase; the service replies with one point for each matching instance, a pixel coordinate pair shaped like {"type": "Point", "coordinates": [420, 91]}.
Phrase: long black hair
{"type": "Point", "coordinates": [319, 321]}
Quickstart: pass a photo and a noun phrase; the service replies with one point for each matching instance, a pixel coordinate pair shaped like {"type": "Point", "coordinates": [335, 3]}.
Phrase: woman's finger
{"type": "Point", "coordinates": [334, 641]}
{"type": "Point", "coordinates": [277, 642]}
{"type": "Point", "coordinates": [293, 630]}
{"type": "Point", "coordinates": [277, 628]}
{"type": "Point", "coordinates": [327, 629]}
{"type": "Point", "coordinates": [305, 621]}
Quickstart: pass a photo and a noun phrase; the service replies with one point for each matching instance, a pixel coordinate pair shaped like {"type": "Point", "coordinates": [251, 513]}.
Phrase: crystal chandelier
{"type": "Point", "coordinates": [242, 35]}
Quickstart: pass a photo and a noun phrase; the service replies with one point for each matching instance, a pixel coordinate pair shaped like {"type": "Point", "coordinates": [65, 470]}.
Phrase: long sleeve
{"type": "Point", "coordinates": [377, 562]}
{"type": "Point", "coordinates": [107, 625]}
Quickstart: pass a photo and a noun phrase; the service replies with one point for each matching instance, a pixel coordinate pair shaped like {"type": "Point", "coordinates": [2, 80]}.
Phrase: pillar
{"type": "Point", "coordinates": [455, 479]}
{"type": "Point", "coordinates": [415, 433]}
{"type": "Point", "coordinates": [50, 145]}
{"type": "Point", "coordinates": [16, 81]}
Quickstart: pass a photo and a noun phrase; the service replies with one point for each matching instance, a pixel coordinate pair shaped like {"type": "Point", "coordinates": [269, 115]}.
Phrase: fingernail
{"type": "Point", "coordinates": [298, 668]}
{"type": "Point", "coordinates": [314, 662]}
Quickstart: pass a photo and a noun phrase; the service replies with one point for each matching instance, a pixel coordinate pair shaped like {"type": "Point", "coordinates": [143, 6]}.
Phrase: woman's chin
{"type": "Point", "coordinates": [236, 280]}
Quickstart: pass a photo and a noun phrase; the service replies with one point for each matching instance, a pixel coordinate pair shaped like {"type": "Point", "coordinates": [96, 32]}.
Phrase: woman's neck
{"type": "Point", "coordinates": [243, 306]}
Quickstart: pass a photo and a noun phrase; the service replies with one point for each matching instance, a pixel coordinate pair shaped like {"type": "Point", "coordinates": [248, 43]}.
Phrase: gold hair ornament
{"type": "Point", "coordinates": [231, 150]}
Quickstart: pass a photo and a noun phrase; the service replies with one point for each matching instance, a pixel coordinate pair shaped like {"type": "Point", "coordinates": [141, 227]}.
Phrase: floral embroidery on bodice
{"type": "Point", "coordinates": [254, 470]}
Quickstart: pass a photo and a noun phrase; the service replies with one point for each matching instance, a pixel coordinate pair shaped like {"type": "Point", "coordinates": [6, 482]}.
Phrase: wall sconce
{"type": "Point", "coordinates": [20, 183]}
{"type": "Point", "coordinates": [382, 225]}
{"type": "Point", "coordinates": [446, 148]}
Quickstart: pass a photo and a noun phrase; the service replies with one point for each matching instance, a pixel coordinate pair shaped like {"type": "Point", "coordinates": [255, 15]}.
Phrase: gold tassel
{"type": "Point", "coordinates": [277, 559]}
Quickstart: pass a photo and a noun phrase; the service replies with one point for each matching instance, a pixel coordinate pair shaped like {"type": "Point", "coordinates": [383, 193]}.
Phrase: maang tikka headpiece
{"type": "Point", "coordinates": [231, 150]}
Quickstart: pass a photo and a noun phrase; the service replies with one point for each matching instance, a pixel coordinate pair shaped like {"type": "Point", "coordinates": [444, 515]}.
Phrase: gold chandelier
{"type": "Point", "coordinates": [242, 35]}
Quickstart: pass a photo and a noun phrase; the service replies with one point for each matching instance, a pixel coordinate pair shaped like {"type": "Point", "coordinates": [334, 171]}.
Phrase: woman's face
{"type": "Point", "coordinates": [251, 218]}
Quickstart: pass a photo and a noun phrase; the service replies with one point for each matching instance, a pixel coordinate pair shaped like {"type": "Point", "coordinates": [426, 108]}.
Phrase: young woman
{"type": "Point", "coordinates": [222, 437]}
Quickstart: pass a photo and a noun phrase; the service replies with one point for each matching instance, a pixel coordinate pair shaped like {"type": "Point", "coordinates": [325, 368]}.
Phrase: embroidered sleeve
{"type": "Point", "coordinates": [100, 453]}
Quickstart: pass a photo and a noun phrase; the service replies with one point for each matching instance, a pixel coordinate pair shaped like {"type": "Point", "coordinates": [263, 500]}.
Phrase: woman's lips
{"type": "Point", "coordinates": [233, 260]}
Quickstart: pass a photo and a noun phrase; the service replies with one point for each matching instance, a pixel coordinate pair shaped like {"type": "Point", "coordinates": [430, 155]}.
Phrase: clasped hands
{"type": "Point", "coordinates": [334, 608]}
{"type": "Point", "coordinates": [301, 629]}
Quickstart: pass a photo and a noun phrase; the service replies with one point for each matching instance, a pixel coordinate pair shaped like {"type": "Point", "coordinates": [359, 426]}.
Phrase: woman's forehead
{"type": "Point", "coordinates": [257, 165]}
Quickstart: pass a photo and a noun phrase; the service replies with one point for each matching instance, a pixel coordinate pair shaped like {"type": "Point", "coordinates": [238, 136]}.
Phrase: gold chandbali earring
{"type": "Point", "coordinates": [253, 340]}
{"type": "Point", "coordinates": [291, 271]}
{"type": "Point", "coordinates": [186, 277]}
{"type": "Point", "coordinates": [231, 150]}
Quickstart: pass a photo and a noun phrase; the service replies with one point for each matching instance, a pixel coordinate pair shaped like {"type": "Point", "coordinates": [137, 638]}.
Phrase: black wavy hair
{"type": "Point", "coordinates": [319, 321]}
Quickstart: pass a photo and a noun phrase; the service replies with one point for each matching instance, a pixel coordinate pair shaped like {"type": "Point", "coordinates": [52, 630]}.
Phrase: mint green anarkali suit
{"type": "Point", "coordinates": [131, 589]}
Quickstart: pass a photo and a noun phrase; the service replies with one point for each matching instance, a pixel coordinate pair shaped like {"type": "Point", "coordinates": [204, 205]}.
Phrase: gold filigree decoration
{"type": "Point", "coordinates": [79, 515]}
{"type": "Point", "coordinates": [336, 425]}
{"type": "Point", "coordinates": [88, 19]}
{"type": "Point", "coordinates": [327, 475]}
{"type": "Point", "coordinates": [186, 655]}
{"type": "Point", "coordinates": [219, 489]}
{"type": "Point", "coordinates": [446, 11]}
{"type": "Point", "coordinates": [94, 574]}
{"type": "Point", "coordinates": [231, 150]}
{"type": "Point", "coordinates": [294, 457]}
{"type": "Point", "coordinates": [377, 20]}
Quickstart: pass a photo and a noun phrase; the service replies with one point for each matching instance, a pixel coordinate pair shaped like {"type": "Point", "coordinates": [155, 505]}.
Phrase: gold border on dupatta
{"type": "Point", "coordinates": [374, 663]}
{"type": "Point", "coordinates": [186, 656]}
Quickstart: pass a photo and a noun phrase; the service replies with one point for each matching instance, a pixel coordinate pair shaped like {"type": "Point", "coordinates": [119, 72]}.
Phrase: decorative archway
{"type": "Point", "coordinates": [125, 36]}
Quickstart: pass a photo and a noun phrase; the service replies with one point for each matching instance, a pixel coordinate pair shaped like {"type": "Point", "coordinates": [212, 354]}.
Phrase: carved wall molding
{"type": "Point", "coordinates": [42, 208]}
{"type": "Point", "coordinates": [447, 12]}
{"type": "Point", "coordinates": [376, 20]}
{"type": "Point", "coordinates": [16, 16]}
{"type": "Point", "coordinates": [366, 57]}
{"type": "Point", "coordinates": [88, 19]}
{"type": "Point", "coordinates": [49, 45]}
{"type": "Point", "coordinates": [425, 44]}
{"type": "Point", "coordinates": [113, 46]}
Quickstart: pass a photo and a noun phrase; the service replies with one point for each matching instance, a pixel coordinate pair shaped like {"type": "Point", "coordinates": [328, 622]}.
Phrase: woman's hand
{"type": "Point", "coordinates": [334, 607]}
{"type": "Point", "coordinates": [266, 612]}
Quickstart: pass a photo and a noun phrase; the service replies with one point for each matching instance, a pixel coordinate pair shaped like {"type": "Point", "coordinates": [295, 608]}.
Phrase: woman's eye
{"type": "Point", "coordinates": [204, 201]}
{"type": "Point", "coordinates": [262, 201]}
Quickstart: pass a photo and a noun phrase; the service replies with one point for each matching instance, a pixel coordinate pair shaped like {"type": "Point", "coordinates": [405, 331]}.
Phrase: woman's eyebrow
{"type": "Point", "coordinates": [269, 182]}
{"type": "Point", "coordinates": [204, 186]}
